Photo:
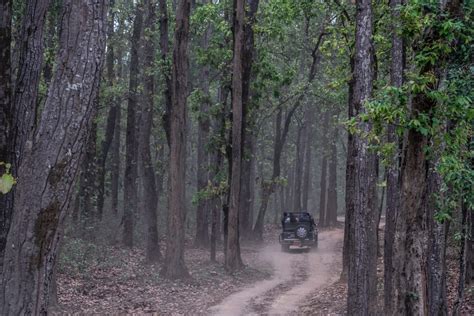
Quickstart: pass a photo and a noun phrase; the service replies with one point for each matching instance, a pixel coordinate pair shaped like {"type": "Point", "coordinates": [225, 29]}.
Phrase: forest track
{"type": "Point", "coordinates": [295, 276]}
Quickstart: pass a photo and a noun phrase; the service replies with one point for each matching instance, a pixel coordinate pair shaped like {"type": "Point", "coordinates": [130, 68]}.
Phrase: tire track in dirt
{"type": "Point", "coordinates": [296, 275]}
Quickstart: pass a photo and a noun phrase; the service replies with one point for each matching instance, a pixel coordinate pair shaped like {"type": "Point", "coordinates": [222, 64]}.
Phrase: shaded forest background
{"type": "Point", "coordinates": [163, 125]}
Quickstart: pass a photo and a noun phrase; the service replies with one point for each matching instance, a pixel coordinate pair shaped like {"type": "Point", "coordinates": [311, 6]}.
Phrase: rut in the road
{"type": "Point", "coordinates": [296, 275]}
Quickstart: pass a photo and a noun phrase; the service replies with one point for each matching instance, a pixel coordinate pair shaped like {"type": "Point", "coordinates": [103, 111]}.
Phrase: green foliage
{"type": "Point", "coordinates": [6, 180]}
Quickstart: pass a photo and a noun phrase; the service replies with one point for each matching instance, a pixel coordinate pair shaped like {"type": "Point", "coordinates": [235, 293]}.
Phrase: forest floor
{"type": "Point", "coordinates": [111, 280]}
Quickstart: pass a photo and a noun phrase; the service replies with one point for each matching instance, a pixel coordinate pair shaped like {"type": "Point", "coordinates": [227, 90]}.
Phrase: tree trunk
{"type": "Point", "coordinates": [233, 260]}
{"type": "Point", "coordinates": [393, 170]}
{"type": "Point", "coordinates": [49, 168]}
{"type": "Point", "coordinates": [30, 61]}
{"type": "Point", "coordinates": [174, 260]}
{"type": "Point", "coordinates": [131, 141]}
{"type": "Point", "coordinates": [88, 185]}
{"type": "Point", "coordinates": [111, 117]}
{"type": "Point", "coordinates": [151, 194]}
{"type": "Point", "coordinates": [362, 290]}
{"type": "Point", "coordinates": [413, 286]}
{"type": "Point", "coordinates": [5, 115]}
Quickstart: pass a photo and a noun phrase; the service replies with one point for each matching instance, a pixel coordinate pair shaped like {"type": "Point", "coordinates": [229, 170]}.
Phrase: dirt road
{"type": "Point", "coordinates": [296, 275]}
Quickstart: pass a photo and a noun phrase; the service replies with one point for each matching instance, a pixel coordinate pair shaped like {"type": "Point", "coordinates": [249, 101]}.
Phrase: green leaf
{"type": "Point", "coordinates": [6, 183]}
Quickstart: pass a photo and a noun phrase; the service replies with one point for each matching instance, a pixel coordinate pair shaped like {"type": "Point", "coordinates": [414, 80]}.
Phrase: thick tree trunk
{"type": "Point", "coordinates": [246, 190]}
{"type": "Point", "coordinates": [233, 260]}
{"type": "Point", "coordinates": [111, 117]}
{"type": "Point", "coordinates": [49, 168]}
{"type": "Point", "coordinates": [362, 290]}
{"type": "Point", "coordinates": [414, 289]}
{"type": "Point", "coordinates": [5, 114]}
{"type": "Point", "coordinates": [174, 266]}
{"type": "Point", "coordinates": [150, 193]}
{"type": "Point", "coordinates": [131, 140]}
{"type": "Point", "coordinates": [393, 170]}
{"type": "Point", "coordinates": [115, 163]}
{"type": "Point", "coordinates": [30, 61]}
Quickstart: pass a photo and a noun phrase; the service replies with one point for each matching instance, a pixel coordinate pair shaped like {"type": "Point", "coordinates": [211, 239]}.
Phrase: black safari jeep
{"type": "Point", "coordinates": [299, 230]}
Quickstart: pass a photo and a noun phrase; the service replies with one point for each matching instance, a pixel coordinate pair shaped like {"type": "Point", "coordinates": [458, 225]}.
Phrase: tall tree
{"type": "Point", "coordinates": [174, 266]}
{"type": "Point", "coordinates": [49, 168]}
{"type": "Point", "coordinates": [363, 259]}
{"type": "Point", "coordinates": [299, 167]}
{"type": "Point", "coordinates": [309, 117]}
{"type": "Point", "coordinates": [233, 260]}
{"type": "Point", "coordinates": [414, 293]}
{"type": "Point", "coordinates": [153, 253]}
{"type": "Point", "coordinates": [131, 139]}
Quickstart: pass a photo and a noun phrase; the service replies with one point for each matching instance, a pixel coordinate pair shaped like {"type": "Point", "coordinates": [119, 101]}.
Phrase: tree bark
{"type": "Point", "coordinates": [5, 114]}
{"type": "Point", "coordinates": [49, 168]}
{"type": "Point", "coordinates": [362, 291]}
{"type": "Point", "coordinates": [174, 260]}
{"type": "Point", "coordinates": [233, 260]}
{"type": "Point", "coordinates": [131, 139]}
{"type": "Point", "coordinates": [153, 253]}
{"type": "Point", "coordinates": [413, 288]}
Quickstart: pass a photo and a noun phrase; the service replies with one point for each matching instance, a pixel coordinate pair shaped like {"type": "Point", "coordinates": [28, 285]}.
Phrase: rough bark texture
{"type": "Point", "coordinates": [131, 140]}
{"type": "Point", "coordinates": [233, 260]}
{"type": "Point", "coordinates": [174, 260]}
{"type": "Point", "coordinates": [49, 167]}
{"type": "Point", "coordinates": [30, 60]}
{"type": "Point", "coordinates": [5, 113]}
{"type": "Point", "coordinates": [416, 290]}
{"type": "Point", "coordinates": [150, 193]}
{"type": "Point", "coordinates": [362, 291]}
{"type": "Point", "coordinates": [393, 171]}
